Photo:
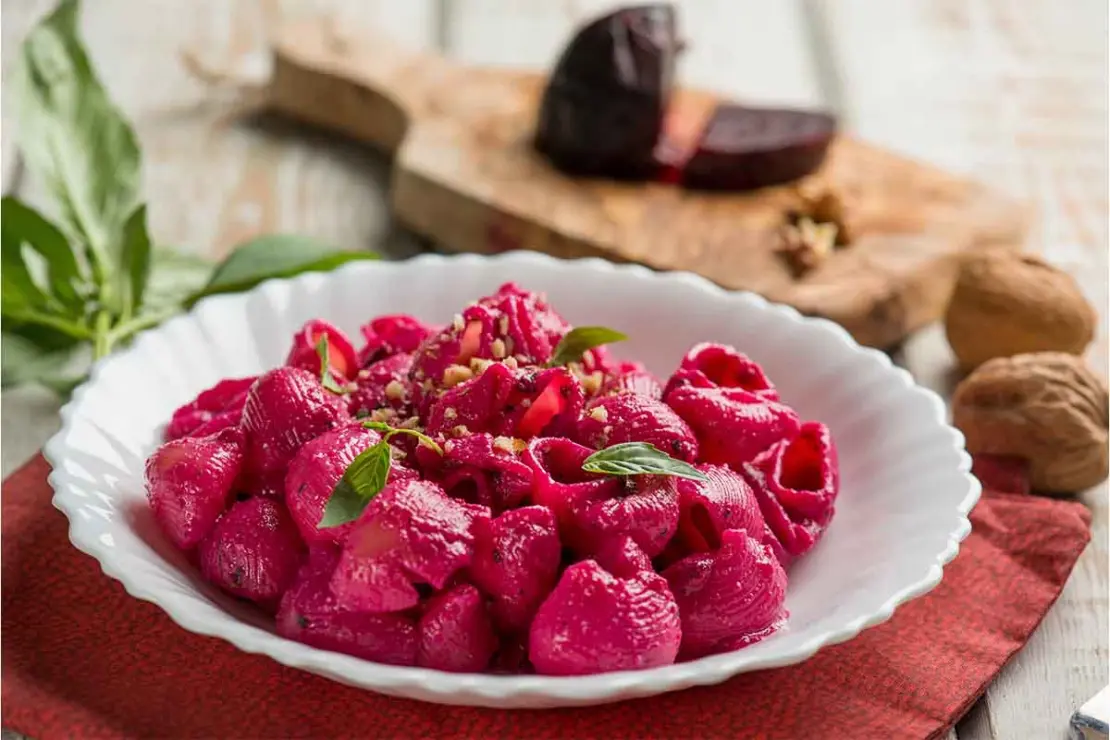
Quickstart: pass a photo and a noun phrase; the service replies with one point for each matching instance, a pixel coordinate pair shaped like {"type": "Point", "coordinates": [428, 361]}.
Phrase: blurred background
{"type": "Point", "coordinates": [1013, 93]}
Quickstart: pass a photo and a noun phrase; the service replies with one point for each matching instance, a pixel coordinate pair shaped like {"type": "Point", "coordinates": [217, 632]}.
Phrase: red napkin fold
{"type": "Point", "coordinates": [83, 659]}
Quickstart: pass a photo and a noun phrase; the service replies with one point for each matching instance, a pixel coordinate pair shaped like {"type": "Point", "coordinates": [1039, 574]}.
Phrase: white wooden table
{"type": "Point", "coordinates": [1011, 92]}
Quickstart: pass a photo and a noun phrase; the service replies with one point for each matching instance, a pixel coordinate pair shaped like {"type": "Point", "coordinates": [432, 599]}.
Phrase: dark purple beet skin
{"type": "Point", "coordinates": [602, 112]}
{"type": "Point", "coordinates": [746, 148]}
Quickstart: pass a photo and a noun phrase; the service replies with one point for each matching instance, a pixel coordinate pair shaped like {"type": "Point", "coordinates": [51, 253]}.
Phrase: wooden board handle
{"type": "Point", "coordinates": [365, 86]}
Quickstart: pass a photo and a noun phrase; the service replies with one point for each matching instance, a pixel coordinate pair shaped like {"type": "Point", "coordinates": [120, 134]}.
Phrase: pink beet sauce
{"type": "Point", "coordinates": [488, 546]}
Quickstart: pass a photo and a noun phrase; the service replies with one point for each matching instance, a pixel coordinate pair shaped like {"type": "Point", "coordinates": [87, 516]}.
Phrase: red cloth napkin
{"type": "Point", "coordinates": [83, 659]}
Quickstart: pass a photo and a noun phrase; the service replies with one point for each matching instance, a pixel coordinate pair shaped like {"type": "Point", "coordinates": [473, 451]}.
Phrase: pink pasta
{"type": "Point", "coordinates": [797, 482]}
{"type": "Point", "coordinates": [310, 613]}
{"type": "Point", "coordinates": [732, 425]}
{"type": "Point", "coordinates": [729, 598]}
{"type": "Point", "coordinates": [562, 513]}
{"type": "Point", "coordinates": [516, 563]}
{"type": "Point", "coordinates": [630, 417]}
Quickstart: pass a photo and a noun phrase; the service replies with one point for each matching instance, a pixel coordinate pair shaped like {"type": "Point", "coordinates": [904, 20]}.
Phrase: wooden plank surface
{"type": "Point", "coordinates": [1013, 93]}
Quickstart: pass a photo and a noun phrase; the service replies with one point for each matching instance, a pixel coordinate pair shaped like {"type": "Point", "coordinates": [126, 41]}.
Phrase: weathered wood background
{"type": "Point", "coordinates": [1014, 93]}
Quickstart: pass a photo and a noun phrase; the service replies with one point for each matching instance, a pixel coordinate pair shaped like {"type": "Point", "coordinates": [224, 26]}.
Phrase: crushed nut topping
{"type": "Point", "coordinates": [458, 322]}
{"type": "Point", "coordinates": [395, 390]}
{"type": "Point", "coordinates": [413, 422]}
{"type": "Point", "coordinates": [460, 430]}
{"type": "Point", "coordinates": [824, 206]}
{"type": "Point", "coordinates": [806, 244]}
{"type": "Point", "coordinates": [455, 374]}
{"type": "Point", "coordinates": [512, 363]}
{"type": "Point", "coordinates": [503, 325]}
{"type": "Point", "coordinates": [599, 413]}
{"type": "Point", "coordinates": [479, 365]}
{"type": "Point", "coordinates": [448, 445]}
{"type": "Point", "coordinates": [497, 348]}
{"type": "Point", "coordinates": [450, 413]}
{"type": "Point", "coordinates": [505, 444]}
{"type": "Point", "coordinates": [382, 415]}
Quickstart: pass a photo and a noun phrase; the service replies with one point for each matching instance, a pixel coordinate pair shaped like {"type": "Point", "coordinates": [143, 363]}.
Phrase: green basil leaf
{"type": "Point", "coordinates": [377, 426]}
{"type": "Point", "coordinates": [326, 378]}
{"type": "Point", "coordinates": [388, 432]}
{"type": "Point", "coordinates": [74, 138]}
{"type": "Point", "coordinates": [22, 362]}
{"type": "Point", "coordinates": [274, 256]}
{"type": "Point", "coordinates": [639, 458]}
{"type": "Point", "coordinates": [63, 280]}
{"type": "Point", "coordinates": [364, 479]}
{"type": "Point", "coordinates": [135, 260]}
{"type": "Point", "coordinates": [578, 341]}
{"type": "Point", "coordinates": [174, 276]}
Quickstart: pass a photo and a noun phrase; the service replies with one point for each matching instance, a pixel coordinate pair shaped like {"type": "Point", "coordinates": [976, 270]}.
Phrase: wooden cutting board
{"type": "Point", "coordinates": [465, 176]}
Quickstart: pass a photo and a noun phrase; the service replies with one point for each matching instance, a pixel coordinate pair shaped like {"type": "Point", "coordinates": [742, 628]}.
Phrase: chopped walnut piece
{"type": "Point", "coordinates": [806, 244]}
{"type": "Point", "coordinates": [460, 430]}
{"type": "Point", "coordinates": [455, 374]}
{"type": "Point", "coordinates": [458, 322]}
{"type": "Point", "coordinates": [823, 206]}
{"type": "Point", "coordinates": [450, 413]}
{"type": "Point", "coordinates": [599, 413]}
{"type": "Point", "coordinates": [479, 364]}
{"type": "Point", "coordinates": [497, 348]}
{"type": "Point", "coordinates": [395, 390]}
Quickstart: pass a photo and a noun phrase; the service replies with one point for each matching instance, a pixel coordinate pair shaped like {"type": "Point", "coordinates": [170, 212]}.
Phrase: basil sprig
{"type": "Point", "coordinates": [580, 340]}
{"type": "Point", "coordinates": [639, 458]}
{"type": "Point", "coordinates": [366, 476]}
{"type": "Point", "coordinates": [76, 287]}
{"type": "Point", "coordinates": [326, 378]}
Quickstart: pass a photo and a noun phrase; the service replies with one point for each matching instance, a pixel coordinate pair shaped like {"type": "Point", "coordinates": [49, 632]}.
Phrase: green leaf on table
{"type": "Point", "coordinates": [274, 256]}
{"type": "Point", "coordinates": [134, 262]}
{"type": "Point", "coordinates": [577, 342]}
{"type": "Point", "coordinates": [23, 362]}
{"type": "Point", "coordinates": [74, 138]}
{"type": "Point", "coordinates": [364, 479]}
{"type": "Point", "coordinates": [61, 279]}
{"type": "Point", "coordinates": [639, 458]}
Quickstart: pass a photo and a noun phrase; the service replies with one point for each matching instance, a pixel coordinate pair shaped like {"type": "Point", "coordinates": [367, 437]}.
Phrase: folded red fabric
{"type": "Point", "coordinates": [81, 658]}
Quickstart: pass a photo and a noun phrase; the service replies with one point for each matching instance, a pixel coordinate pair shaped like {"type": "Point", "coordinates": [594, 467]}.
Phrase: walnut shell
{"type": "Point", "coordinates": [1046, 407]}
{"type": "Point", "coordinates": [1006, 304]}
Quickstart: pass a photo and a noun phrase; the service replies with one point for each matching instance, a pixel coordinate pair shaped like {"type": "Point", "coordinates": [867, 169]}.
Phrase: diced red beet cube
{"type": "Point", "coordinates": [189, 482]}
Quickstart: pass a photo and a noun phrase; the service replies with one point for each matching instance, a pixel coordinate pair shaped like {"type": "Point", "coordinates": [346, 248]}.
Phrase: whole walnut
{"type": "Point", "coordinates": [1006, 304]}
{"type": "Point", "coordinates": [1046, 407]}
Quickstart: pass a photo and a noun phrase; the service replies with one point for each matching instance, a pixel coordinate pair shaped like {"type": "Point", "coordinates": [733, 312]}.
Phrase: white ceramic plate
{"type": "Point", "coordinates": [906, 490]}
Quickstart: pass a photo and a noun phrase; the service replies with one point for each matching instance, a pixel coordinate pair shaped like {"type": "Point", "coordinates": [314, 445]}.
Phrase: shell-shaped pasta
{"type": "Point", "coordinates": [622, 557]}
{"type": "Point", "coordinates": [709, 508]}
{"type": "Point", "coordinates": [631, 377]}
{"type": "Point", "coordinates": [709, 365]}
{"type": "Point", "coordinates": [594, 622]}
{"type": "Point", "coordinates": [310, 613]}
{"type": "Point", "coordinates": [285, 408]}
{"type": "Point", "coordinates": [558, 480]}
{"type": "Point", "coordinates": [645, 508]}
{"type": "Point", "coordinates": [628, 417]}
{"type": "Point", "coordinates": [516, 562]}
{"type": "Point", "coordinates": [253, 551]}
{"type": "Point", "coordinates": [796, 483]}
{"type": "Point", "coordinates": [214, 409]}
{"type": "Point", "coordinates": [732, 425]}
{"type": "Point", "coordinates": [189, 482]}
{"type": "Point", "coordinates": [411, 532]}
{"type": "Point", "coordinates": [392, 334]}
{"type": "Point", "coordinates": [455, 632]}
{"type": "Point", "coordinates": [314, 472]}
{"type": "Point", "coordinates": [383, 385]}
{"type": "Point", "coordinates": [730, 598]}
{"type": "Point", "coordinates": [485, 470]}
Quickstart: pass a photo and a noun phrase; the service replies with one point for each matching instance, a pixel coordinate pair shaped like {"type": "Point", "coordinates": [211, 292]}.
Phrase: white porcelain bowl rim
{"type": "Point", "coordinates": [490, 689]}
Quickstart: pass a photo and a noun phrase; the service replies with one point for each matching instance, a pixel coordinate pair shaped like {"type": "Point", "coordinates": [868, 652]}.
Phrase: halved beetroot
{"type": "Point", "coordinates": [285, 408]}
{"type": "Point", "coordinates": [456, 633]}
{"type": "Point", "coordinates": [341, 355]}
{"type": "Point", "coordinates": [411, 533]}
{"type": "Point", "coordinates": [309, 613]}
{"type": "Point", "coordinates": [729, 598]}
{"type": "Point", "coordinates": [190, 481]}
{"type": "Point", "coordinates": [254, 551]}
{"type": "Point", "coordinates": [516, 562]}
{"type": "Point", "coordinates": [602, 111]}
{"type": "Point", "coordinates": [216, 408]}
{"type": "Point", "coordinates": [595, 622]}
{"type": "Point", "coordinates": [744, 148]}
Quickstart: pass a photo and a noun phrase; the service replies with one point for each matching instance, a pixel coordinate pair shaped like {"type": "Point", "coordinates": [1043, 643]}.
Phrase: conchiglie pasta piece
{"type": "Point", "coordinates": [732, 425]}
{"type": "Point", "coordinates": [629, 417]}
